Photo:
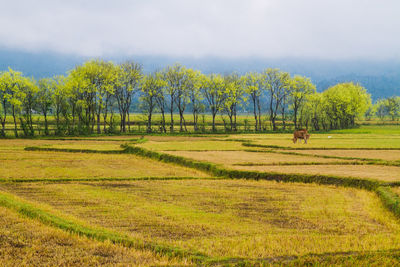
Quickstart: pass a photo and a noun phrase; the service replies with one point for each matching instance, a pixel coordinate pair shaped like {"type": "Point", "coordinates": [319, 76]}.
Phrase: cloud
{"type": "Point", "coordinates": [194, 28]}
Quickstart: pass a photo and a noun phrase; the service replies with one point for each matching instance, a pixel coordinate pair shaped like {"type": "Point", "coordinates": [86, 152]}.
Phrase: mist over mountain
{"type": "Point", "coordinates": [380, 78]}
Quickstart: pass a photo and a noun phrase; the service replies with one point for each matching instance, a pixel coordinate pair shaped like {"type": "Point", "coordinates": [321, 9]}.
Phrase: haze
{"type": "Point", "coordinates": [327, 29]}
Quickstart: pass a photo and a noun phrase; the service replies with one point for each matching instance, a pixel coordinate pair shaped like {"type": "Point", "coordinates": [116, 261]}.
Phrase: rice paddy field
{"type": "Point", "coordinates": [210, 200]}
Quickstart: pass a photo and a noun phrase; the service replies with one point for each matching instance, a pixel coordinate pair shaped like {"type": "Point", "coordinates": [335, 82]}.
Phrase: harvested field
{"type": "Point", "coordinates": [326, 140]}
{"type": "Point", "coordinates": [390, 155]}
{"type": "Point", "coordinates": [195, 145]}
{"type": "Point", "coordinates": [382, 173]}
{"type": "Point", "coordinates": [25, 242]}
{"type": "Point", "coordinates": [20, 144]}
{"type": "Point", "coordinates": [228, 218]}
{"type": "Point", "coordinates": [228, 158]}
{"type": "Point", "coordinates": [32, 164]}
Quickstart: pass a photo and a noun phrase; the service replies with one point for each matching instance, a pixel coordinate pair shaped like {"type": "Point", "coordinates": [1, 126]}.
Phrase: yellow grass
{"type": "Point", "coordinates": [371, 154]}
{"type": "Point", "coordinates": [383, 173]}
{"type": "Point", "coordinates": [228, 217]}
{"type": "Point", "coordinates": [31, 164]}
{"type": "Point", "coordinates": [242, 157]}
{"type": "Point", "coordinates": [396, 189]}
{"type": "Point", "coordinates": [101, 146]}
{"type": "Point", "coordinates": [192, 145]}
{"type": "Point", "coordinates": [20, 144]}
{"type": "Point", "coordinates": [24, 242]}
{"type": "Point", "coordinates": [166, 138]}
{"type": "Point", "coordinates": [327, 140]}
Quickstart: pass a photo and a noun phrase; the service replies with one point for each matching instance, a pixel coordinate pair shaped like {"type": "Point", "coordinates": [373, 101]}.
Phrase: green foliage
{"type": "Point", "coordinates": [84, 102]}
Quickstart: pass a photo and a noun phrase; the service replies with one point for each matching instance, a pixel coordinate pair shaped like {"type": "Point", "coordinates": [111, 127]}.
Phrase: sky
{"type": "Point", "coordinates": [325, 29]}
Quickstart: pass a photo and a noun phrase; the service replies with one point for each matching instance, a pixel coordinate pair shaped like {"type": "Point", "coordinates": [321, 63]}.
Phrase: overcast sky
{"type": "Point", "coordinates": [342, 29]}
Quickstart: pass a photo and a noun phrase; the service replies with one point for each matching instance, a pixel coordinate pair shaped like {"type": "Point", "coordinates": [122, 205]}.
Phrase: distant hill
{"type": "Point", "coordinates": [381, 78]}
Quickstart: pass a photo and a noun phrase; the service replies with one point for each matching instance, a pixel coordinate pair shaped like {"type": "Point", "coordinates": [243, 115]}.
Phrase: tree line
{"type": "Point", "coordinates": [97, 97]}
{"type": "Point", "coordinates": [385, 108]}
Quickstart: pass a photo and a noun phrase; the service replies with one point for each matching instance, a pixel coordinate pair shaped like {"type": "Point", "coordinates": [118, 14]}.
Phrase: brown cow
{"type": "Point", "coordinates": [301, 134]}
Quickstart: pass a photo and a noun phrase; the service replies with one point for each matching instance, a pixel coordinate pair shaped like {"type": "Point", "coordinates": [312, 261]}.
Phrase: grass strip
{"type": "Point", "coordinates": [390, 199]}
{"type": "Point", "coordinates": [47, 218]}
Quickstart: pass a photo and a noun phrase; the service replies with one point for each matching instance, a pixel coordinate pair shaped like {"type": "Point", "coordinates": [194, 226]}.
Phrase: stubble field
{"type": "Point", "coordinates": [205, 200]}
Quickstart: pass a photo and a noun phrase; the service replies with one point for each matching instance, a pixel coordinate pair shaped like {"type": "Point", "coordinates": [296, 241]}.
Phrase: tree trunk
{"type": "Point", "coordinates": [255, 114]}
{"type": "Point", "coordinates": [46, 128]}
{"type": "Point", "coordinates": [259, 114]}
{"type": "Point", "coordinates": [149, 122]}
{"type": "Point", "coordinates": [15, 122]}
{"type": "Point", "coordinates": [194, 121]}
{"type": "Point", "coordinates": [98, 123]}
{"type": "Point", "coordinates": [171, 127]}
{"type": "Point", "coordinates": [3, 128]}
{"type": "Point", "coordinates": [163, 121]}
{"type": "Point", "coordinates": [213, 121]}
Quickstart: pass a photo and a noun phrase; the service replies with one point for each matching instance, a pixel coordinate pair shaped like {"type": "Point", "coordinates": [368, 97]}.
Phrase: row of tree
{"type": "Point", "coordinates": [388, 107]}
{"type": "Point", "coordinates": [88, 98]}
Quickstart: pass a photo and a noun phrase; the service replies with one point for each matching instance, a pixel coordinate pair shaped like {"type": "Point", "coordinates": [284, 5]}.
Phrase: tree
{"type": "Point", "coordinates": [381, 108]}
{"type": "Point", "coordinates": [345, 102]}
{"type": "Point", "coordinates": [160, 99]}
{"type": "Point", "coordinates": [11, 96]}
{"type": "Point", "coordinates": [29, 91]}
{"type": "Point", "coordinates": [213, 89]}
{"type": "Point", "coordinates": [60, 104]}
{"type": "Point", "coordinates": [301, 87]}
{"type": "Point", "coordinates": [151, 85]}
{"type": "Point", "coordinates": [46, 88]}
{"type": "Point", "coordinates": [6, 85]}
{"type": "Point", "coordinates": [393, 107]}
{"type": "Point", "coordinates": [100, 78]}
{"type": "Point", "coordinates": [174, 76]}
{"type": "Point", "coordinates": [196, 97]}
{"type": "Point", "coordinates": [252, 83]}
{"type": "Point", "coordinates": [129, 75]}
{"type": "Point", "coordinates": [234, 96]}
{"type": "Point", "coordinates": [275, 83]}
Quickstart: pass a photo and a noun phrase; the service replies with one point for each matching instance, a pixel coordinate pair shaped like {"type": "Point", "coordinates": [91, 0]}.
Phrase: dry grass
{"type": "Point", "coordinates": [20, 144]}
{"type": "Point", "coordinates": [25, 242]}
{"type": "Point", "coordinates": [192, 145]}
{"type": "Point", "coordinates": [396, 189]}
{"type": "Point", "coordinates": [370, 154]}
{"type": "Point", "coordinates": [228, 218]}
{"type": "Point", "coordinates": [30, 164]}
{"type": "Point", "coordinates": [94, 145]}
{"type": "Point", "coordinates": [228, 158]}
{"type": "Point", "coordinates": [166, 138]}
{"type": "Point", "coordinates": [383, 173]}
{"type": "Point", "coordinates": [327, 140]}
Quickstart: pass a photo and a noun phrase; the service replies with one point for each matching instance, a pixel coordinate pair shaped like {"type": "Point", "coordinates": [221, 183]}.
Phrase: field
{"type": "Point", "coordinates": [244, 199]}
